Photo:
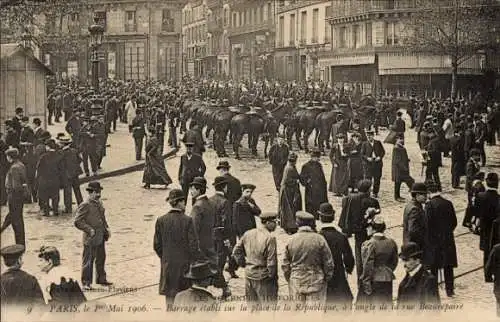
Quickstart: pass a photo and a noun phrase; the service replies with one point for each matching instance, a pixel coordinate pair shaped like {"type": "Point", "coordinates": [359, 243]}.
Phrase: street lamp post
{"type": "Point", "coordinates": [96, 33]}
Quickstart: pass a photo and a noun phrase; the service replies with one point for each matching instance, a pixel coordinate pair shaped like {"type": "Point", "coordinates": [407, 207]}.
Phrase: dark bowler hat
{"type": "Point", "coordinates": [12, 152]}
{"type": "Point", "coordinates": [199, 182]}
{"type": "Point", "coordinates": [303, 215]}
{"type": "Point", "coordinates": [419, 187]}
{"type": "Point", "coordinates": [292, 157]}
{"type": "Point", "coordinates": [175, 194]}
{"type": "Point", "coordinates": [492, 180]}
{"type": "Point", "coordinates": [223, 165]}
{"type": "Point", "coordinates": [45, 136]}
{"type": "Point", "coordinates": [410, 250]}
{"type": "Point", "coordinates": [94, 186]}
{"type": "Point", "coordinates": [189, 144]}
{"type": "Point", "coordinates": [12, 252]}
{"type": "Point", "coordinates": [268, 215]}
{"type": "Point", "coordinates": [220, 180]}
{"type": "Point", "coordinates": [200, 271]}
{"type": "Point", "coordinates": [326, 210]}
{"type": "Point", "coordinates": [246, 186]}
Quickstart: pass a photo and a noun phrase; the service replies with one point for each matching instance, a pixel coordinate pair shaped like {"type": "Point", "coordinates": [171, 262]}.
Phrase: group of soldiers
{"type": "Point", "coordinates": [222, 232]}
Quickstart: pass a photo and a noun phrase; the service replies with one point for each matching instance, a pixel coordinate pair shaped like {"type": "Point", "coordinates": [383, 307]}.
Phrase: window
{"type": "Point", "coordinates": [167, 21]}
{"type": "Point", "coordinates": [292, 30]}
{"type": "Point", "coordinates": [101, 18]}
{"type": "Point", "coordinates": [134, 61]}
{"type": "Point", "coordinates": [342, 37]}
{"type": "Point", "coordinates": [303, 26]}
{"type": "Point", "coordinates": [235, 19]}
{"type": "Point", "coordinates": [167, 62]}
{"type": "Point", "coordinates": [281, 31]}
{"type": "Point", "coordinates": [390, 4]}
{"type": "Point", "coordinates": [270, 12]}
{"type": "Point", "coordinates": [315, 26]}
{"type": "Point", "coordinates": [328, 27]}
{"type": "Point", "coordinates": [393, 33]}
{"type": "Point", "coordinates": [130, 23]}
{"type": "Point", "coordinates": [368, 27]}
{"type": "Point", "coordinates": [226, 17]}
{"type": "Point", "coordinates": [74, 17]}
{"type": "Point", "coordinates": [74, 23]}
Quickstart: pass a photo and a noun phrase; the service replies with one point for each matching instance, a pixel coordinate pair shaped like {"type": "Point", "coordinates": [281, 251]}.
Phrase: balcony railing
{"type": "Point", "coordinates": [267, 25]}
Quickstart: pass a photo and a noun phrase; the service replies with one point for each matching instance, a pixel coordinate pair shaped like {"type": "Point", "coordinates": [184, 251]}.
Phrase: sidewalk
{"type": "Point", "coordinates": [120, 153]}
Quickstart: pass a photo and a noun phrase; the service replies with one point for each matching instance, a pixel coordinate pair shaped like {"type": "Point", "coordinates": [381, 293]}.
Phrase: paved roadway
{"type": "Point", "coordinates": [132, 211]}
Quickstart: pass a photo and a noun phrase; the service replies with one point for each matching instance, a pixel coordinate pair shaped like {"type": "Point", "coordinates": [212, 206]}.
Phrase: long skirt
{"type": "Point", "coordinates": [155, 171]}
{"type": "Point", "coordinates": [290, 203]}
{"type": "Point", "coordinates": [339, 179]}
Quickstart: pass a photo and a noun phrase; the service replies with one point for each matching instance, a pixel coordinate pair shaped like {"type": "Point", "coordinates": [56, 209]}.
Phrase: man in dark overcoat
{"type": "Point", "coordinates": [415, 226]}
{"type": "Point", "coordinates": [18, 288]}
{"type": "Point", "coordinates": [278, 157]}
{"type": "Point", "coordinates": [480, 137]}
{"type": "Point", "coordinates": [434, 161]}
{"type": "Point", "coordinates": [418, 287]}
{"type": "Point", "coordinates": [91, 220]}
{"type": "Point", "coordinates": [400, 168]}
{"type": "Point", "coordinates": [27, 133]}
{"type": "Point", "coordinates": [338, 290]}
{"type": "Point", "coordinates": [442, 252]}
{"type": "Point", "coordinates": [233, 183]}
{"type": "Point", "coordinates": [488, 204]}
{"type": "Point", "coordinates": [72, 170]}
{"type": "Point", "coordinates": [138, 133]}
{"type": "Point", "coordinates": [312, 177]}
{"type": "Point", "coordinates": [49, 175]}
{"type": "Point", "coordinates": [191, 166]}
{"type": "Point", "coordinates": [224, 237]}
{"type": "Point", "coordinates": [492, 269]}
{"type": "Point", "coordinates": [203, 214]}
{"type": "Point", "coordinates": [73, 127]}
{"type": "Point", "coordinates": [245, 210]}
{"type": "Point", "coordinates": [89, 147]}
{"type": "Point", "coordinates": [195, 136]}
{"type": "Point", "coordinates": [372, 153]}
{"type": "Point", "coordinates": [458, 160]}
{"type": "Point", "coordinates": [176, 245]}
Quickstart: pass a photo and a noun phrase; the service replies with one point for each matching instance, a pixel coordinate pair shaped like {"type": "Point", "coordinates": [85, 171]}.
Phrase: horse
{"type": "Point", "coordinates": [250, 123]}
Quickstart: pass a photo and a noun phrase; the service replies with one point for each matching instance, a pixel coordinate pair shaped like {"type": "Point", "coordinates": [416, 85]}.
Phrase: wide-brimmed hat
{"type": "Point", "coordinates": [199, 182]}
{"type": "Point", "coordinates": [200, 271]}
{"type": "Point", "coordinates": [223, 165]}
{"type": "Point", "coordinates": [419, 187]}
{"type": "Point", "coordinates": [94, 186]}
{"type": "Point", "coordinates": [175, 194]}
{"type": "Point", "coordinates": [326, 210]}
{"type": "Point", "coordinates": [409, 250]}
{"type": "Point", "coordinates": [304, 215]}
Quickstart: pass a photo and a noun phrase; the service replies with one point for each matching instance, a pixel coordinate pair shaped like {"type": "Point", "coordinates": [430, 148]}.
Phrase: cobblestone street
{"type": "Point", "coordinates": [132, 211]}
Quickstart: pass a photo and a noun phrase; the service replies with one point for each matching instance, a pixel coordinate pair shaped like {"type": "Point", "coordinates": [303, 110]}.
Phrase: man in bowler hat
{"type": "Point", "coordinates": [191, 166]}
{"type": "Point", "coordinates": [176, 245]}
{"type": "Point", "coordinates": [415, 226]}
{"type": "Point", "coordinates": [418, 286]}
{"type": "Point", "coordinates": [91, 220]}
{"type": "Point", "coordinates": [17, 286]}
{"type": "Point", "coordinates": [233, 184]}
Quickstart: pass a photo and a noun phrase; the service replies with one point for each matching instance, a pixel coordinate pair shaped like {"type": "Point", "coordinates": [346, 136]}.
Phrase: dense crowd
{"type": "Point", "coordinates": [221, 232]}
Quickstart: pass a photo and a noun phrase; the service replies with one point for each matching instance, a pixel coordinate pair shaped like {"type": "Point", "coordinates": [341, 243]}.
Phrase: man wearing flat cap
{"type": "Point", "coordinates": [224, 237]}
{"type": "Point", "coordinates": [191, 166]}
{"type": "Point", "coordinates": [312, 177]}
{"type": "Point", "coordinates": [415, 226]}
{"type": "Point", "coordinates": [245, 210]}
{"type": "Point", "coordinates": [257, 252]}
{"type": "Point", "coordinates": [91, 220]}
{"type": "Point", "coordinates": [290, 200]}
{"type": "Point", "coordinates": [338, 290]}
{"type": "Point", "coordinates": [15, 184]}
{"type": "Point", "coordinates": [17, 286]}
{"type": "Point", "coordinates": [307, 262]}
{"type": "Point", "coordinates": [418, 286]}
{"type": "Point", "coordinates": [176, 245]}
{"type": "Point", "coordinates": [278, 157]}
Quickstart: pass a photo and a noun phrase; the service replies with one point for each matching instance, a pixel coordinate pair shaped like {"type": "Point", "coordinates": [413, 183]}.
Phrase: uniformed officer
{"type": "Point", "coordinates": [17, 286]}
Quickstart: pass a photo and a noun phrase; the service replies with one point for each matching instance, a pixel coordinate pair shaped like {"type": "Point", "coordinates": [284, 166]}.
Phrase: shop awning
{"type": "Point", "coordinates": [347, 61]}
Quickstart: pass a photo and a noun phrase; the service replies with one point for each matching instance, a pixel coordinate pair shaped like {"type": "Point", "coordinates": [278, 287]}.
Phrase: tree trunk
{"type": "Point", "coordinates": [454, 72]}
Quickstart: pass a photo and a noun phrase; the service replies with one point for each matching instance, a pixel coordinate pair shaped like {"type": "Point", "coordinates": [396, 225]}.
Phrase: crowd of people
{"type": "Point", "coordinates": [222, 234]}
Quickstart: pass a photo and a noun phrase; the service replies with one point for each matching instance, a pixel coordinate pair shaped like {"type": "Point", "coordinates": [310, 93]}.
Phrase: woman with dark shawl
{"type": "Point", "coordinates": [339, 155]}
{"type": "Point", "coordinates": [154, 168]}
{"type": "Point", "coordinates": [290, 198]}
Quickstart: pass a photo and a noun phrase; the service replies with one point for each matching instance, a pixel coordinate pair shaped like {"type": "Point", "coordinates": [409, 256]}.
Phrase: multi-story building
{"type": "Point", "coordinates": [301, 33]}
{"type": "Point", "coordinates": [368, 50]}
{"type": "Point", "coordinates": [194, 38]}
{"type": "Point", "coordinates": [251, 36]}
{"type": "Point", "coordinates": [141, 40]}
{"type": "Point", "coordinates": [218, 20]}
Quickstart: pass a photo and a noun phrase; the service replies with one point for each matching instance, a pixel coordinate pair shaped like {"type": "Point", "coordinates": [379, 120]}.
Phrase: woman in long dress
{"type": "Point", "coordinates": [339, 155]}
{"type": "Point", "coordinates": [290, 198]}
{"type": "Point", "coordinates": [154, 168]}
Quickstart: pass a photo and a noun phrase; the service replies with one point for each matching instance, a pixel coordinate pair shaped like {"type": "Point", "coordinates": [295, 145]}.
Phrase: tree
{"type": "Point", "coordinates": [454, 28]}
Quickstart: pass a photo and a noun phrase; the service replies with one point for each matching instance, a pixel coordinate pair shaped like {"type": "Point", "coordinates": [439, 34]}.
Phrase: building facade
{"type": "Point", "coordinates": [194, 38]}
{"type": "Point", "coordinates": [218, 21]}
{"type": "Point", "coordinates": [251, 34]}
{"type": "Point", "coordinates": [368, 50]}
{"type": "Point", "coordinates": [141, 40]}
{"type": "Point", "coordinates": [301, 33]}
